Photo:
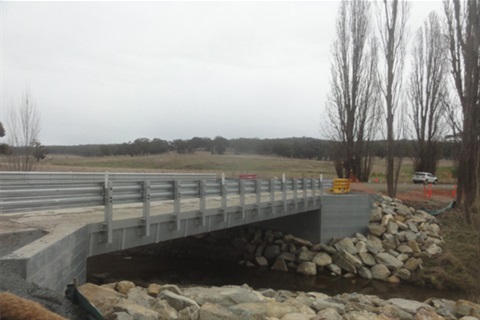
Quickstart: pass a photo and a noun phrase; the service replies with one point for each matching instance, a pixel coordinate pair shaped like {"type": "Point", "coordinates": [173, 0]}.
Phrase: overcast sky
{"type": "Point", "coordinates": [111, 72]}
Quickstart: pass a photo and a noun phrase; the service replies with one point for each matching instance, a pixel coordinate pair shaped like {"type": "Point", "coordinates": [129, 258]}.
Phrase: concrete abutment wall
{"type": "Point", "coordinates": [340, 216]}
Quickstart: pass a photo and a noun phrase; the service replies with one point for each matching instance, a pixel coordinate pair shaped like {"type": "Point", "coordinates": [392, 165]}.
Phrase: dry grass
{"type": "Point", "coordinates": [458, 267]}
{"type": "Point", "coordinates": [231, 165]}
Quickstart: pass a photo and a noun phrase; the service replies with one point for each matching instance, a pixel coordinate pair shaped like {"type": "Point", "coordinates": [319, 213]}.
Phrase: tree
{"type": "Point", "coordinates": [392, 23]}
{"type": "Point", "coordinates": [39, 151]}
{"type": "Point", "coordinates": [428, 93]}
{"type": "Point", "coordinates": [2, 130]}
{"type": "Point", "coordinates": [463, 37]}
{"type": "Point", "coordinates": [220, 145]}
{"type": "Point", "coordinates": [23, 128]}
{"type": "Point", "coordinates": [353, 100]}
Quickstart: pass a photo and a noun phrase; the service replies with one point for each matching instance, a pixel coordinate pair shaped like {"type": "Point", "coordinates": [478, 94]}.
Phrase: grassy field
{"type": "Point", "coordinates": [231, 165]}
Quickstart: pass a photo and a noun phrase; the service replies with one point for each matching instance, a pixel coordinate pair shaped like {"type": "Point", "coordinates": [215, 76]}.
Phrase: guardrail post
{"type": "Point", "coordinates": [242, 196]}
{"type": "Point", "coordinates": [176, 202]}
{"type": "Point", "coordinates": [224, 198]}
{"type": "Point", "coordinates": [284, 193]}
{"type": "Point", "coordinates": [258, 194]}
{"type": "Point", "coordinates": [203, 202]}
{"type": "Point", "coordinates": [321, 184]}
{"type": "Point", "coordinates": [146, 207]}
{"type": "Point", "coordinates": [295, 193]}
{"type": "Point", "coordinates": [272, 196]}
{"type": "Point", "coordinates": [314, 191]}
{"type": "Point", "coordinates": [108, 203]}
{"type": "Point", "coordinates": [304, 185]}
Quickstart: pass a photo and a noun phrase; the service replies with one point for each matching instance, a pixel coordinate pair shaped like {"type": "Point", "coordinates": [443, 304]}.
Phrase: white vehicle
{"type": "Point", "coordinates": [424, 177]}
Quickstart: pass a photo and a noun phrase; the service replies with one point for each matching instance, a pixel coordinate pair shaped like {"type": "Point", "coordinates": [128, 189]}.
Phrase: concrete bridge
{"type": "Point", "coordinates": [50, 223]}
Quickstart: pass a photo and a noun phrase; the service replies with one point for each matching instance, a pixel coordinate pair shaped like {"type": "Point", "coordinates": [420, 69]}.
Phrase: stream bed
{"type": "Point", "coordinates": [187, 271]}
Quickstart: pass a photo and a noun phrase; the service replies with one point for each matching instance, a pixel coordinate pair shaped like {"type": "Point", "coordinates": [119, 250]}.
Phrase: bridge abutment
{"type": "Point", "coordinates": [340, 216]}
{"type": "Point", "coordinates": [52, 261]}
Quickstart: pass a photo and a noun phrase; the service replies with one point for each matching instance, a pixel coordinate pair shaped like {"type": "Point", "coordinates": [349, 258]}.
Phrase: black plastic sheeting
{"type": "Point", "coordinates": [74, 295]}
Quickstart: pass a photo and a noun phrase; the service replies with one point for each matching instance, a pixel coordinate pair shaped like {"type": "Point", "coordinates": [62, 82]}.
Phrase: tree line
{"type": "Point", "coordinates": [299, 148]}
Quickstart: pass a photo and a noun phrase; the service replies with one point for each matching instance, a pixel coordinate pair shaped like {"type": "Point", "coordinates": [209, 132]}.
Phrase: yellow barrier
{"type": "Point", "coordinates": [340, 186]}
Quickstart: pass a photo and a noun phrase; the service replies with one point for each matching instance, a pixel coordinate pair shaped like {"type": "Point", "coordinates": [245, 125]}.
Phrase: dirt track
{"type": "Point", "coordinates": [441, 194]}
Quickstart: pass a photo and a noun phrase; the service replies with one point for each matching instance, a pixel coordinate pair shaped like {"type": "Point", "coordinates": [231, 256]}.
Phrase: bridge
{"type": "Point", "coordinates": [58, 220]}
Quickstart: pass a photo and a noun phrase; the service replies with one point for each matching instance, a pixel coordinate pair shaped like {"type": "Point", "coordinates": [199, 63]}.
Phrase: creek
{"type": "Point", "coordinates": [187, 271]}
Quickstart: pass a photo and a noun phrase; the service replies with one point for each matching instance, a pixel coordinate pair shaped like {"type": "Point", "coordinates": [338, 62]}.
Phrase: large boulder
{"type": "Point", "coordinates": [374, 244]}
{"type": "Point", "coordinates": [139, 296]}
{"type": "Point", "coordinates": [307, 268]}
{"type": "Point", "coordinates": [164, 310]}
{"type": "Point", "coordinates": [226, 296]}
{"type": "Point", "coordinates": [154, 289]}
{"type": "Point", "coordinates": [211, 311]}
{"type": "Point", "coordinates": [124, 286]}
{"type": "Point", "coordinates": [101, 297]}
{"type": "Point", "coordinates": [409, 306]}
{"type": "Point", "coordinates": [280, 264]}
{"type": "Point", "coordinates": [347, 245]}
{"type": "Point", "coordinates": [388, 260]}
{"type": "Point", "coordinates": [177, 301]}
{"type": "Point", "coordinates": [271, 252]}
{"type": "Point", "coordinates": [376, 229]}
{"type": "Point", "coordinates": [343, 263]}
{"type": "Point", "coordinates": [467, 308]}
{"type": "Point", "coordinates": [261, 310]}
{"type": "Point", "coordinates": [136, 311]}
{"type": "Point", "coordinates": [322, 259]}
{"type": "Point", "coordinates": [380, 272]}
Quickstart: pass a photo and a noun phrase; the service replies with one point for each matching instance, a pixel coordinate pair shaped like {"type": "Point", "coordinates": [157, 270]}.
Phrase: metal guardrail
{"type": "Point", "coordinates": [23, 192]}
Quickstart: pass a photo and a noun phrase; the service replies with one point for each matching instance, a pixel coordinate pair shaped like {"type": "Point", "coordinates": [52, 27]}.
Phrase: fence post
{"type": "Point", "coordinates": [108, 203]}
{"type": "Point", "coordinates": [176, 202]}
{"type": "Point", "coordinates": [314, 191]}
{"type": "Point", "coordinates": [146, 207]}
{"type": "Point", "coordinates": [203, 203]}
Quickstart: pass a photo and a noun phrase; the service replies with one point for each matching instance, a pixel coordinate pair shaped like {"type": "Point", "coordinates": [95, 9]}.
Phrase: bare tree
{"type": "Point", "coordinates": [392, 23]}
{"type": "Point", "coordinates": [23, 126]}
{"type": "Point", "coordinates": [428, 93]}
{"type": "Point", "coordinates": [463, 36]}
{"type": "Point", "coordinates": [352, 103]}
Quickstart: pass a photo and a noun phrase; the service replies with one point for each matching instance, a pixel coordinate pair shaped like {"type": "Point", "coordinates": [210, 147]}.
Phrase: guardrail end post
{"type": "Point", "coordinates": [108, 204]}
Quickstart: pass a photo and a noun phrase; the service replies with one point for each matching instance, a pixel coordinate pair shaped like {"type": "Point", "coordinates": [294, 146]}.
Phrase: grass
{"type": "Point", "coordinates": [231, 165]}
{"type": "Point", "coordinates": [458, 267]}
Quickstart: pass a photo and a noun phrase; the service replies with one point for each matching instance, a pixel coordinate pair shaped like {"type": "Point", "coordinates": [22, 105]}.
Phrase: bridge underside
{"type": "Point", "coordinates": [58, 257]}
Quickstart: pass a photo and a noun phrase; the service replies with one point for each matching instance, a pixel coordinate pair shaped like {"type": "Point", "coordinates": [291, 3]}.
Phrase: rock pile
{"type": "Point", "coordinates": [125, 301]}
{"type": "Point", "coordinates": [399, 237]}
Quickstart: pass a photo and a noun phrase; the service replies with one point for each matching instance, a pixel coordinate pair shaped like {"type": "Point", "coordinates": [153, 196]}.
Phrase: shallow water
{"type": "Point", "coordinates": [189, 271]}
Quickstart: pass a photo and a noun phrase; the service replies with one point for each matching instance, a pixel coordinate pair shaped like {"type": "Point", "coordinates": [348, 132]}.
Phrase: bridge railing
{"type": "Point", "coordinates": [22, 192]}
